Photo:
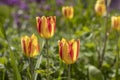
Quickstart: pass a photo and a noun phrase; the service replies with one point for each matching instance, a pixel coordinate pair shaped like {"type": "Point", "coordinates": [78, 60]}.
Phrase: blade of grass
{"type": "Point", "coordinates": [12, 57]}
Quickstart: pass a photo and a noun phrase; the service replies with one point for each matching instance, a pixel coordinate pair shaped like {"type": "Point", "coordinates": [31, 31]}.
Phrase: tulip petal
{"type": "Point", "coordinates": [74, 49]}
{"type": "Point", "coordinates": [30, 45]}
{"type": "Point", "coordinates": [78, 48]}
{"type": "Point", "coordinates": [60, 49]}
{"type": "Point", "coordinates": [45, 30]}
{"type": "Point", "coordinates": [35, 47]}
{"type": "Point", "coordinates": [116, 22]}
{"type": "Point", "coordinates": [66, 53]}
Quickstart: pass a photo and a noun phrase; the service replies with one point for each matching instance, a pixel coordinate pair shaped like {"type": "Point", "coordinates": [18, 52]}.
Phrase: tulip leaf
{"type": "Point", "coordinates": [94, 73]}
{"type": "Point", "coordinates": [37, 66]}
{"type": "Point", "coordinates": [3, 60]}
{"type": "Point", "coordinates": [3, 16]}
{"type": "Point", "coordinates": [15, 68]}
{"type": "Point", "coordinates": [2, 31]}
{"type": "Point", "coordinates": [41, 71]}
{"type": "Point", "coordinates": [39, 59]}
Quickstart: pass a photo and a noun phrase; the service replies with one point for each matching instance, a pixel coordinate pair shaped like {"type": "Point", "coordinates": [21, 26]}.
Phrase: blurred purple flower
{"type": "Point", "coordinates": [23, 5]}
{"type": "Point", "coordinates": [16, 19]}
{"type": "Point", "coordinates": [10, 2]}
{"type": "Point", "coordinates": [26, 17]}
{"type": "Point", "coordinates": [115, 4]}
{"type": "Point", "coordinates": [46, 7]}
{"type": "Point", "coordinates": [13, 2]}
{"type": "Point", "coordinates": [38, 1]}
{"type": "Point", "coordinates": [57, 13]}
{"type": "Point", "coordinates": [59, 2]}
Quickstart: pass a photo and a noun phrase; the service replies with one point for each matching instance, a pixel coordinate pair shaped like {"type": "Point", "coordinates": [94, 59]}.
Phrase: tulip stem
{"type": "Point", "coordinates": [31, 68]}
{"type": "Point", "coordinates": [105, 41]}
{"type": "Point", "coordinates": [69, 76]}
{"type": "Point", "coordinates": [117, 57]}
{"type": "Point", "coordinates": [47, 66]}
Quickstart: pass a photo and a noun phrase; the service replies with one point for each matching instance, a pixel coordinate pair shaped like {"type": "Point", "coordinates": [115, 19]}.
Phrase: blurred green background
{"type": "Point", "coordinates": [18, 18]}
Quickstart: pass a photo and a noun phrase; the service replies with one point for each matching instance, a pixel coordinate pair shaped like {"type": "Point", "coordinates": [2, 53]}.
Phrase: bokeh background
{"type": "Point", "coordinates": [18, 17]}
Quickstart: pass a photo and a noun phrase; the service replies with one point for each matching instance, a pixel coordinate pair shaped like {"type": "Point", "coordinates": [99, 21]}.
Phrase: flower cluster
{"type": "Point", "coordinates": [46, 27]}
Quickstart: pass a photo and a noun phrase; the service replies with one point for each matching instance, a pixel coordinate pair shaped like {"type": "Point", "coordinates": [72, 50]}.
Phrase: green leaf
{"type": "Point", "coordinates": [41, 71]}
{"type": "Point", "coordinates": [4, 14]}
{"type": "Point", "coordinates": [86, 29]}
{"type": "Point", "coordinates": [94, 73]}
{"type": "Point", "coordinates": [39, 60]}
{"type": "Point", "coordinates": [3, 60]}
{"type": "Point", "coordinates": [2, 31]}
{"type": "Point", "coordinates": [37, 66]}
{"type": "Point", "coordinates": [90, 45]}
{"type": "Point", "coordinates": [15, 68]}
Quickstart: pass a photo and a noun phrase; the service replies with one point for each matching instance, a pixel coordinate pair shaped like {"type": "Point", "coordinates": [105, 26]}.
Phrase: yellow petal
{"type": "Point", "coordinates": [34, 46]}
{"type": "Point", "coordinates": [65, 53]}
{"type": "Point", "coordinates": [44, 28]}
{"type": "Point", "coordinates": [74, 47]}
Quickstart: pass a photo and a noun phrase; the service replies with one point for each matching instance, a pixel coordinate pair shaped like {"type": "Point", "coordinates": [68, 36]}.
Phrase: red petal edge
{"type": "Point", "coordinates": [24, 45]}
{"type": "Point", "coordinates": [60, 51]}
{"type": "Point", "coordinates": [30, 46]}
{"type": "Point", "coordinates": [78, 48]}
{"type": "Point", "coordinates": [71, 51]}
{"type": "Point", "coordinates": [49, 24]}
{"type": "Point", "coordinates": [39, 25]}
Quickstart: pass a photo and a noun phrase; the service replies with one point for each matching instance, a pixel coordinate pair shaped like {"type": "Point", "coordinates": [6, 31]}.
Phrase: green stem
{"type": "Point", "coordinates": [117, 65]}
{"type": "Point", "coordinates": [88, 77]}
{"type": "Point", "coordinates": [47, 66]}
{"type": "Point", "coordinates": [3, 75]}
{"type": "Point", "coordinates": [31, 68]}
{"type": "Point", "coordinates": [105, 39]}
{"type": "Point", "coordinates": [69, 76]}
{"type": "Point", "coordinates": [117, 58]}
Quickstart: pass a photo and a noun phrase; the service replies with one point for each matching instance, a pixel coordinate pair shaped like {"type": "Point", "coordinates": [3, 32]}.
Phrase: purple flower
{"type": "Point", "coordinates": [115, 4]}
{"type": "Point", "coordinates": [16, 19]}
{"type": "Point", "coordinates": [23, 5]}
{"type": "Point", "coordinates": [10, 2]}
{"type": "Point", "coordinates": [13, 2]}
{"type": "Point", "coordinates": [46, 7]}
{"type": "Point", "coordinates": [59, 2]}
{"type": "Point", "coordinates": [38, 1]}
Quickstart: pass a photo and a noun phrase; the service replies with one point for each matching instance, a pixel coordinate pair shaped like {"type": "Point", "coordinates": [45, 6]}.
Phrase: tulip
{"type": "Point", "coordinates": [116, 22]}
{"type": "Point", "coordinates": [100, 8]}
{"type": "Point", "coordinates": [68, 12]}
{"type": "Point", "coordinates": [30, 45]}
{"type": "Point", "coordinates": [68, 50]}
{"type": "Point", "coordinates": [46, 26]}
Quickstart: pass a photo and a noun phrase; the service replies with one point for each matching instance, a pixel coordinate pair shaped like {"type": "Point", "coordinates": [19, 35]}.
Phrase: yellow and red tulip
{"type": "Point", "coordinates": [68, 11]}
{"type": "Point", "coordinates": [46, 26]}
{"type": "Point", "coordinates": [115, 20]}
{"type": "Point", "coordinates": [100, 8]}
{"type": "Point", "coordinates": [68, 50]}
{"type": "Point", "coordinates": [30, 45]}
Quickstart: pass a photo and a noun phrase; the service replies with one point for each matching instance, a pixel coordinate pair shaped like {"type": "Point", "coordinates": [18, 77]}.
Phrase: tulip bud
{"type": "Point", "coordinates": [69, 50]}
{"type": "Point", "coordinates": [46, 26]}
{"type": "Point", "coordinates": [30, 45]}
{"type": "Point", "coordinates": [100, 8]}
{"type": "Point", "coordinates": [116, 22]}
{"type": "Point", "coordinates": [68, 12]}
